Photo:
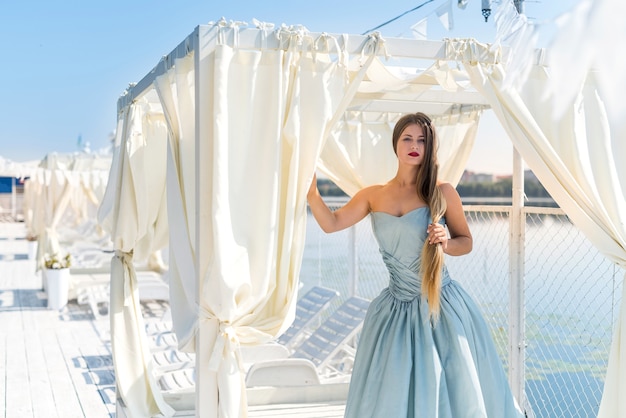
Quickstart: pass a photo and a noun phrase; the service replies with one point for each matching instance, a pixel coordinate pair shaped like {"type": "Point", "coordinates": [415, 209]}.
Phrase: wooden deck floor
{"type": "Point", "coordinates": [59, 364]}
{"type": "Point", "coordinates": [52, 363]}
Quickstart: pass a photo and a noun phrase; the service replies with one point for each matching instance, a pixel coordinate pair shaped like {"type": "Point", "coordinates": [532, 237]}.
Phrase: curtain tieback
{"type": "Point", "coordinates": [126, 257]}
{"type": "Point", "coordinates": [126, 261]}
{"type": "Point", "coordinates": [226, 343]}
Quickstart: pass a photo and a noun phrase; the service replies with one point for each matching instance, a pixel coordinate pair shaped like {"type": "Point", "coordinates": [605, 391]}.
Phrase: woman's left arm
{"type": "Point", "coordinates": [460, 240]}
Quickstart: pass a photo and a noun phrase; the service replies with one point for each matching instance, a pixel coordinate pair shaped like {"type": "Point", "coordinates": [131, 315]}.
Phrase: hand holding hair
{"type": "Point", "coordinates": [437, 234]}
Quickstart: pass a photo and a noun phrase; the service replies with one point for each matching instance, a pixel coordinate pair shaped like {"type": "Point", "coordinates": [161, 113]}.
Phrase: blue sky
{"type": "Point", "coordinates": [67, 62]}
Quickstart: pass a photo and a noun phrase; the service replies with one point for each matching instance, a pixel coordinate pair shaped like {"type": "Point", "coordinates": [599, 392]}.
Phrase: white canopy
{"type": "Point", "coordinates": [61, 195]}
{"type": "Point", "coordinates": [235, 120]}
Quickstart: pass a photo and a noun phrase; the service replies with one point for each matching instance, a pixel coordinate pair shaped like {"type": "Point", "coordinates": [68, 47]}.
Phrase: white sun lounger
{"type": "Point", "coordinates": [325, 357]}
{"type": "Point", "coordinates": [328, 351]}
{"type": "Point", "coordinates": [92, 288]}
{"type": "Point", "coordinates": [167, 357]}
{"type": "Point", "coordinates": [309, 307]}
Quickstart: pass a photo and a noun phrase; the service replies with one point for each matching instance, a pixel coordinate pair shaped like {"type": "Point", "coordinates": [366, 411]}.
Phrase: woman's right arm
{"type": "Point", "coordinates": [349, 214]}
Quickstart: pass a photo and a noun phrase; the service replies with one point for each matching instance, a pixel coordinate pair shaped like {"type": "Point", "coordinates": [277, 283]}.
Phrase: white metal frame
{"type": "Point", "coordinates": [203, 40]}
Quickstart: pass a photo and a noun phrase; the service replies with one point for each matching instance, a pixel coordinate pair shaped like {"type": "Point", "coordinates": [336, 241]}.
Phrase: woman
{"type": "Point", "coordinates": [425, 350]}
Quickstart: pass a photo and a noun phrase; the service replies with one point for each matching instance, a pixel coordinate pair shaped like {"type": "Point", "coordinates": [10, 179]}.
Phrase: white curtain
{"type": "Point", "coordinates": [586, 42]}
{"type": "Point", "coordinates": [264, 116]}
{"type": "Point", "coordinates": [578, 159]}
{"type": "Point", "coordinates": [57, 201]}
{"type": "Point", "coordinates": [30, 195]}
{"type": "Point", "coordinates": [56, 192]}
{"type": "Point", "coordinates": [176, 93]}
{"type": "Point", "coordinates": [133, 211]}
{"type": "Point", "coordinates": [34, 208]}
{"type": "Point", "coordinates": [359, 151]}
{"type": "Point", "coordinates": [457, 134]}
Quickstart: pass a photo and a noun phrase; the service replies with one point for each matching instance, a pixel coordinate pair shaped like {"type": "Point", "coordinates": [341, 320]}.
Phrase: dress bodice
{"type": "Point", "coordinates": [408, 366]}
{"type": "Point", "coordinates": [400, 239]}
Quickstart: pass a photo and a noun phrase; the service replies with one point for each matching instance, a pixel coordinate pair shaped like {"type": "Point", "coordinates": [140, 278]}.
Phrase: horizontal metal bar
{"type": "Point", "coordinates": [255, 38]}
{"type": "Point", "coordinates": [136, 90]}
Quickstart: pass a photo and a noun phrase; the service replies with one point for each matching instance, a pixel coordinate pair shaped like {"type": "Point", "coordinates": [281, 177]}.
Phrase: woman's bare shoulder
{"type": "Point", "coordinates": [370, 190]}
{"type": "Point", "coordinates": [367, 194]}
{"type": "Point", "coordinates": [445, 186]}
{"type": "Point", "coordinates": [449, 192]}
{"type": "Point", "coordinates": [373, 187]}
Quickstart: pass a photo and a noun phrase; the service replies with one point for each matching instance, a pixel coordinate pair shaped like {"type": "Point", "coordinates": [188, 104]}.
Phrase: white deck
{"type": "Point", "coordinates": [58, 364]}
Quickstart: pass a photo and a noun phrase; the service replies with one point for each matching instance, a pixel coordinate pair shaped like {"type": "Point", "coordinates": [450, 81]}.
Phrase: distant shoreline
{"type": "Point", "coordinates": [507, 201]}
{"type": "Point", "coordinates": [477, 200]}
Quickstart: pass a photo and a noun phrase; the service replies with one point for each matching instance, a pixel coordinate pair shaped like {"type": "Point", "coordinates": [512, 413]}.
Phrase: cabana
{"type": "Point", "coordinates": [217, 145]}
{"type": "Point", "coordinates": [61, 199]}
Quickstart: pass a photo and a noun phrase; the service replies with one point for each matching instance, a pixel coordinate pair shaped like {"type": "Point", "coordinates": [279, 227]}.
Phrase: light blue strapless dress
{"type": "Point", "coordinates": [404, 366]}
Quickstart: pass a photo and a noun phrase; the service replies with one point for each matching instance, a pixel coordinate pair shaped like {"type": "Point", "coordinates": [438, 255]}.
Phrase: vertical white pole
{"type": "Point", "coordinates": [353, 264]}
{"type": "Point", "coordinates": [517, 342]}
{"type": "Point", "coordinates": [517, 336]}
{"type": "Point", "coordinates": [207, 397]}
{"type": "Point", "coordinates": [13, 198]}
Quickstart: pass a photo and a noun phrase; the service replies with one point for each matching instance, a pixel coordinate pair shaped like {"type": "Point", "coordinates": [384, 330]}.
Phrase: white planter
{"type": "Point", "coordinates": [32, 250]}
{"type": "Point", "coordinates": [44, 286]}
{"type": "Point", "coordinates": [57, 286]}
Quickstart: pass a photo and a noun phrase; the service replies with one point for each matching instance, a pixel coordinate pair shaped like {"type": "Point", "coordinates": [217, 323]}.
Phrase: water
{"type": "Point", "coordinates": [572, 295]}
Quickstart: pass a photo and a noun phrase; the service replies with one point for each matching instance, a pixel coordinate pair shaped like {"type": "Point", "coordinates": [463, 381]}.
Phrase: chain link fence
{"type": "Point", "coordinates": [572, 297]}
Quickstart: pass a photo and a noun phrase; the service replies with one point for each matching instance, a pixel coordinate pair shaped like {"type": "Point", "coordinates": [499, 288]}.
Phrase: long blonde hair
{"type": "Point", "coordinates": [427, 190]}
